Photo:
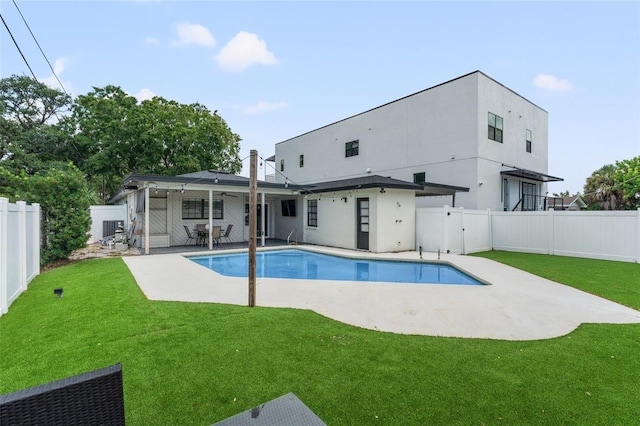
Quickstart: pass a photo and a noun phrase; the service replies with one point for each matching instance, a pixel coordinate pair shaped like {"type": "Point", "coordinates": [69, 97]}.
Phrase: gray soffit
{"type": "Point", "coordinates": [528, 174]}
{"type": "Point", "coordinates": [431, 189]}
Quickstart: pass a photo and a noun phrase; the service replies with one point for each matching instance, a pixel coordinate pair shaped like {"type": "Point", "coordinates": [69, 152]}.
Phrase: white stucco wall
{"type": "Point", "coordinates": [283, 225]}
{"type": "Point", "coordinates": [102, 213]}
{"type": "Point", "coordinates": [391, 214]}
{"type": "Point", "coordinates": [441, 131]}
{"type": "Point", "coordinates": [395, 225]}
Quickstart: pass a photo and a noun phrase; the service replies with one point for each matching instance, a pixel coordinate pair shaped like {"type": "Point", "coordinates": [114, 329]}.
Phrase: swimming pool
{"type": "Point", "coordinates": [306, 265]}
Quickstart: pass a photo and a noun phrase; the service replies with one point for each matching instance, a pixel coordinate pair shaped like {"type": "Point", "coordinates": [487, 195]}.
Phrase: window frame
{"type": "Point", "coordinates": [282, 165]}
{"type": "Point", "coordinates": [312, 213]}
{"type": "Point", "coordinates": [419, 174]}
{"type": "Point", "coordinates": [352, 148]}
{"type": "Point", "coordinates": [529, 140]}
{"type": "Point", "coordinates": [301, 160]}
{"type": "Point", "coordinates": [495, 132]}
{"type": "Point", "coordinates": [201, 209]}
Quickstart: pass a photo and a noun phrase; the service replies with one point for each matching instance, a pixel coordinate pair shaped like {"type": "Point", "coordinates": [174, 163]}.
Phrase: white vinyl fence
{"type": "Point", "coordinates": [609, 235]}
{"type": "Point", "coordinates": [19, 249]}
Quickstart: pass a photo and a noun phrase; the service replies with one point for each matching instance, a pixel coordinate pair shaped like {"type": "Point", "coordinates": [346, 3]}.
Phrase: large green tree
{"type": "Point", "coordinates": [33, 131]}
{"type": "Point", "coordinates": [156, 136]}
{"type": "Point", "coordinates": [614, 186]}
{"type": "Point", "coordinates": [185, 138]}
{"type": "Point", "coordinates": [35, 148]}
{"type": "Point", "coordinates": [64, 199]}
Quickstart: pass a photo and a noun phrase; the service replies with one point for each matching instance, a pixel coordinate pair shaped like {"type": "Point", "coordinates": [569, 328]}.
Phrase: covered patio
{"type": "Point", "coordinates": [166, 212]}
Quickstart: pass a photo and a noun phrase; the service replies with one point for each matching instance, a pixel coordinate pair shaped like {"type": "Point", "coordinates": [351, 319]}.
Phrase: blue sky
{"type": "Point", "coordinates": [274, 70]}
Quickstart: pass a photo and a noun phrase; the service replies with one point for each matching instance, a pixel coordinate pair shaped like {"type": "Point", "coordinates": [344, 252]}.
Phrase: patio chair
{"type": "Point", "coordinates": [227, 233]}
{"type": "Point", "coordinates": [215, 235]}
{"type": "Point", "coordinates": [201, 230]}
{"type": "Point", "coordinates": [189, 235]}
{"type": "Point", "coordinates": [92, 398]}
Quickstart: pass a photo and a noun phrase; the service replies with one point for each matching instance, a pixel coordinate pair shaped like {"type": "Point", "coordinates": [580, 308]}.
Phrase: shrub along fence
{"type": "Point", "coordinates": [608, 235]}
{"type": "Point", "coordinates": [19, 249]}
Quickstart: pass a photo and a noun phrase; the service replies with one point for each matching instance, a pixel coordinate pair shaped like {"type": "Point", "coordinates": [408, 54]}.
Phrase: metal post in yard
{"type": "Point", "coordinates": [253, 225]}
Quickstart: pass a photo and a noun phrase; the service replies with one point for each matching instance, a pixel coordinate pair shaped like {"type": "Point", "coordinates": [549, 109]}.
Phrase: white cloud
{"type": "Point", "coordinates": [151, 40]}
{"type": "Point", "coordinates": [189, 33]}
{"type": "Point", "coordinates": [243, 51]}
{"type": "Point", "coordinates": [144, 94]}
{"type": "Point", "coordinates": [58, 68]}
{"type": "Point", "coordinates": [263, 107]}
{"type": "Point", "coordinates": [548, 81]}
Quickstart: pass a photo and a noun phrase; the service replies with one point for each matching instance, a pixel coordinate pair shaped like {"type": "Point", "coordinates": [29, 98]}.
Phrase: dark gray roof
{"type": "Point", "coordinates": [208, 177]}
{"type": "Point", "coordinates": [373, 181]}
{"type": "Point", "coordinates": [213, 174]}
{"type": "Point", "coordinates": [205, 177]}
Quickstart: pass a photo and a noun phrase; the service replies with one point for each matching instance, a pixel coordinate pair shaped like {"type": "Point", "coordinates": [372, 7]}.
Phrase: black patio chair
{"type": "Point", "coordinates": [93, 398]}
{"type": "Point", "coordinates": [189, 235]}
{"type": "Point", "coordinates": [226, 234]}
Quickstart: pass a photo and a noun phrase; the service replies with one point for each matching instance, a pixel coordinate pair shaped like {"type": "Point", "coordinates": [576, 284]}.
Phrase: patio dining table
{"type": "Point", "coordinates": [202, 231]}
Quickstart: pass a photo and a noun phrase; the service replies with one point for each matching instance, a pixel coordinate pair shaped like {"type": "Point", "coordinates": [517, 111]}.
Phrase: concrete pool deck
{"type": "Point", "coordinates": [516, 306]}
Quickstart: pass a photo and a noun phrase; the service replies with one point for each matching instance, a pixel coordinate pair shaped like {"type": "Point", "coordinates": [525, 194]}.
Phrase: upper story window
{"type": "Point", "coordinates": [495, 127]}
{"type": "Point", "coordinates": [419, 177]}
{"type": "Point", "coordinates": [312, 213]}
{"type": "Point", "coordinates": [301, 160]}
{"type": "Point", "coordinates": [351, 148]}
{"type": "Point", "coordinates": [282, 165]}
{"type": "Point", "coordinates": [528, 140]}
{"type": "Point", "coordinates": [195, 208]}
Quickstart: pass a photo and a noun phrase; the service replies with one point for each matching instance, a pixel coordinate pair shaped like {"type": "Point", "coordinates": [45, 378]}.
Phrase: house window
{"type": "Point", "coordinates": [282, 165]}
{"type": "Point", "coordinates": [419, 177]}
{"type": "Point", "coordinates": [301, 160]}
{"type": "Point", "coordinates": [312, 213]}
{"type": "Point", "coordinates": [197, 208]}
{"type": "Point", "coordinates": [528, 140]}
{"type": "Point", "coordinates": [495, 127]}
{"type": "Point", "coordinates": [351, 149]}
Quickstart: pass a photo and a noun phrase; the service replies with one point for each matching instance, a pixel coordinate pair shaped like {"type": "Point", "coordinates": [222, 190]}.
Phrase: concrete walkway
{"type": "Point", "coordinates": [516, 306]}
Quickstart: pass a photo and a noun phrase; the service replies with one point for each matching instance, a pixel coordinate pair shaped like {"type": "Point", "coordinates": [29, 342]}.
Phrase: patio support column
{"type": "Point", "coordinates": [210, 219]}
{"type": "Point", "coordinates": [262, 217]}
{"type": "Point", "coordinates": [146, 220]}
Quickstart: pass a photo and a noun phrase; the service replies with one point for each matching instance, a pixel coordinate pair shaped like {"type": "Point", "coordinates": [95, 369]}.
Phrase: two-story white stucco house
{"type": "Point", "coordinates": [470, 133]}
{"type": "Point", "coordinates": [356, 183]}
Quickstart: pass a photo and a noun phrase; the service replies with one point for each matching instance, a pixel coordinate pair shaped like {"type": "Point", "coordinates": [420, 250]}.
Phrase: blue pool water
{"type": "Point", "coordinates": [302, 264]}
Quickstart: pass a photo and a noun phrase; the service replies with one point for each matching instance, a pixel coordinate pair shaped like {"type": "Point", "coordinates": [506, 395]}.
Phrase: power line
{"type": "Point", "coordinates": [18, 47]}
{"type": "Point", "coordinates": [38, 44]}
{"type": "Point", "coordinates": [31, 70]}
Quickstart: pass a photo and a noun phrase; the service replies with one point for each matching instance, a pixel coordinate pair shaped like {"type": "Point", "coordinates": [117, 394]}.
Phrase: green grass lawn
{"type": "Point", "coordinates": [617, 281]}
{"type": "Point", "coordinates": [197, 363]}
